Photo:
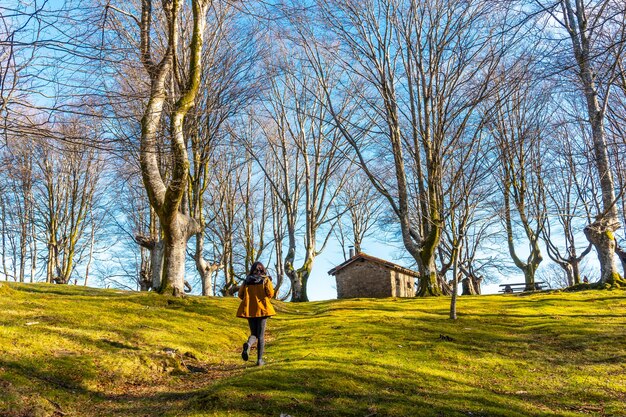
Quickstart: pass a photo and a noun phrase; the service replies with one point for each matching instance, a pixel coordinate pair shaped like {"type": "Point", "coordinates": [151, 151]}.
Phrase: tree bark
{"type": "Point", "coordinates": [601, 232]}
{"type": "Point", "coordinates": [151, 272]}
{"type": "Point", "coordinates": [428, 283]}
{"type": "Point", "coordinates": [621, 254]}
{"type": "Point", "coordinates": [301, 278]}
{"type": "Point", "coordinates": [471, 286]}
{"type": "Point", "coordinates": [529, 276]}
{"type": "Point", "coordinates": [176, 227]}
{"type": "Point", "coordinates": [600, 235]}
{"type": "Point", "coordinates": [204, 268]}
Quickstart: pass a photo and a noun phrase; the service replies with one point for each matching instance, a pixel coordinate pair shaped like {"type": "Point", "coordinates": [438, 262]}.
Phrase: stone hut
{"type": "Point", "coordinates": [364, 276]}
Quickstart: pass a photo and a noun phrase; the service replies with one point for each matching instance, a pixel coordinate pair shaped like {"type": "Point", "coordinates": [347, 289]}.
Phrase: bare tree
{"type": "Point", "coordinates": [362, 206]}
{"type": "Point", "coordinates": [228, 85]}
{"type": "Point", "coordinates": [467, 190]}
{"type": "Point", "coordinates": [279, 233]}
{"type": "Point", "coordinates": [223, 210]}
{"type": "Point", "coordinates": [67, 180]}
{"type": "Point", "coordinates": [616, 132]}
{"type": "Point", "coordinates": [166, 198]}
{"type": "Point", "coordinates": [19, 219]}
{"type": "Point", "coordinates": [568, 187]}
{"type": "Point", "coordinates": [477, 261]}
{"type": "Point", "coordinates": [140, 225]}
{"type": "Point", "coordinates": [597, 32]}
{"type": "Point", "coordinates": [308, 167]}
{"type": "Point", "coordinates": [255, 200]}
{"type": "Point", "coordinates": [517, 122]}
{"type": "Point", "coordinates": [417, 72]}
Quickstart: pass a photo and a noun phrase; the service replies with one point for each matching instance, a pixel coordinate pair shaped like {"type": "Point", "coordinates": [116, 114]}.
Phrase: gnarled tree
{"type": "Point", "coordinates": [166, 198]}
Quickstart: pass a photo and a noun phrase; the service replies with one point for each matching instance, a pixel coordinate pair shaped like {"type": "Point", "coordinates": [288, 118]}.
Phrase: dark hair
{"type": "Point", "coordinates": [257, 266]}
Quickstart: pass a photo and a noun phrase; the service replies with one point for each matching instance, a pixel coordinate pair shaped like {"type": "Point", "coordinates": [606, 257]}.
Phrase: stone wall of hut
{"type": "Point", "coordinates": [362, 279]}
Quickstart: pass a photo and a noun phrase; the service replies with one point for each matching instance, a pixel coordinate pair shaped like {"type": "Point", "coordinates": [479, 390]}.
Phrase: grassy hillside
{"type": "Point", "coordinates": [71, 351]}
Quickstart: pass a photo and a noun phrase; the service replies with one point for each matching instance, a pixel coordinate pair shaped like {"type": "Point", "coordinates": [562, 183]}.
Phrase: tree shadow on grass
{"type": "Point", "coordinates": [324, 389]}
{"type": "Point", "coordinates": [48, 381]}
{"type": "Point", "coordinates": [304, 387]}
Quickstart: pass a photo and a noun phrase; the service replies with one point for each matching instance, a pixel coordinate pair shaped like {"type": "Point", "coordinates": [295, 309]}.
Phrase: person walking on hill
{"type": "Point", "coordinates": [255, 293]}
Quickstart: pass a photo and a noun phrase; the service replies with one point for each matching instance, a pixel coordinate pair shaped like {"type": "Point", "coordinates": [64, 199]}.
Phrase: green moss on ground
{"type": "Point", "coordinates": [77, 351]}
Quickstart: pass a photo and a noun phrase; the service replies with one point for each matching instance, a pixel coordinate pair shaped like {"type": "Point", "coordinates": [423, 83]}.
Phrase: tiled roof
{"type": "Point", "coordinates": [364, 257]}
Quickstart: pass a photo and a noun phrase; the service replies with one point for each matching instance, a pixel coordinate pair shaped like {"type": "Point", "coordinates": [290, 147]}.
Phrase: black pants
{"type": "Point", "coordinates": [257, 334]}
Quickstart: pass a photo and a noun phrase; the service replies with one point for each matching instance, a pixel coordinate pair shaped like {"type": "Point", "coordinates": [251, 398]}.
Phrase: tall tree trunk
{"type": "Point", "coordinates": [53, 268]}
{"type": "Point", "coordinates": [529, 277]}
{"type": "Point", "coordinates": [301, 278]}
{"type": "Point", "coordinates": [202, 266]}
{"type": "Point", "coordinates": [290, 270]}
{"type": "Point", "coordinates": [296, 287]}
{"type": "Point", "coordinates": [428, 281]}
{"type": "Point", "coordinates": [175, 239]}
{"type": "Point", "coordinates": [91, 244]}
{"type": "Point", "coordinates": [33, 253]}
{"type": "Point", "coordinates": [3, 219]}
{"type": "Point", "coordinates": [600, 232]}
{"type": "Point", "coordinates": [476, 283]}
{"type": "Point", "coordinates": [230, 285]}
{"type": "Point", "coordinates": [152, 270]}
{"type": "Point", "coordinates": [156, 264]}
{"type": "Point", "coordinates": [569, 273]}
{"type": "Point", "coordinates": [575, 264]}
{"type": "Point", "coordinates": [23, 244]}
{"type": "Point", "coordinates": [176, 227]}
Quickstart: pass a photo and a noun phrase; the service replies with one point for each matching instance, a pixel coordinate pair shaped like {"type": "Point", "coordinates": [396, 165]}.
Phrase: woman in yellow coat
{"type": "Point", "coordinates": [255, 293]}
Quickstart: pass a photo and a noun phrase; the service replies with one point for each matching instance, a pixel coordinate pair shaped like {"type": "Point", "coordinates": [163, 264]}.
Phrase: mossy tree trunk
{"type": "Point", "coordinates": [428, 284]}
{"type": "Point", "coordinates": [600, 234]}
{"type": "Point", "coordinates": [300, 278]}
{"type": "Point", "coordinates": [166, 200]}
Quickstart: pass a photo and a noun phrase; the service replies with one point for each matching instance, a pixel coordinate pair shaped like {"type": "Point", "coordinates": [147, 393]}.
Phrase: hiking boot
{"type": "Point", "coordinates": [245, 352]}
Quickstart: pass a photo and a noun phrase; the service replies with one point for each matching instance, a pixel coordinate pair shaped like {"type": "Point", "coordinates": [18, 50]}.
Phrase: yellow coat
{"type": "Point", "coordinates": [255, 300]}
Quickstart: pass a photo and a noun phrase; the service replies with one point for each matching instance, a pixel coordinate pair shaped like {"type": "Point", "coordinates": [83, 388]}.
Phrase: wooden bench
{"type": "Point", "coordinates": [521, 287]}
